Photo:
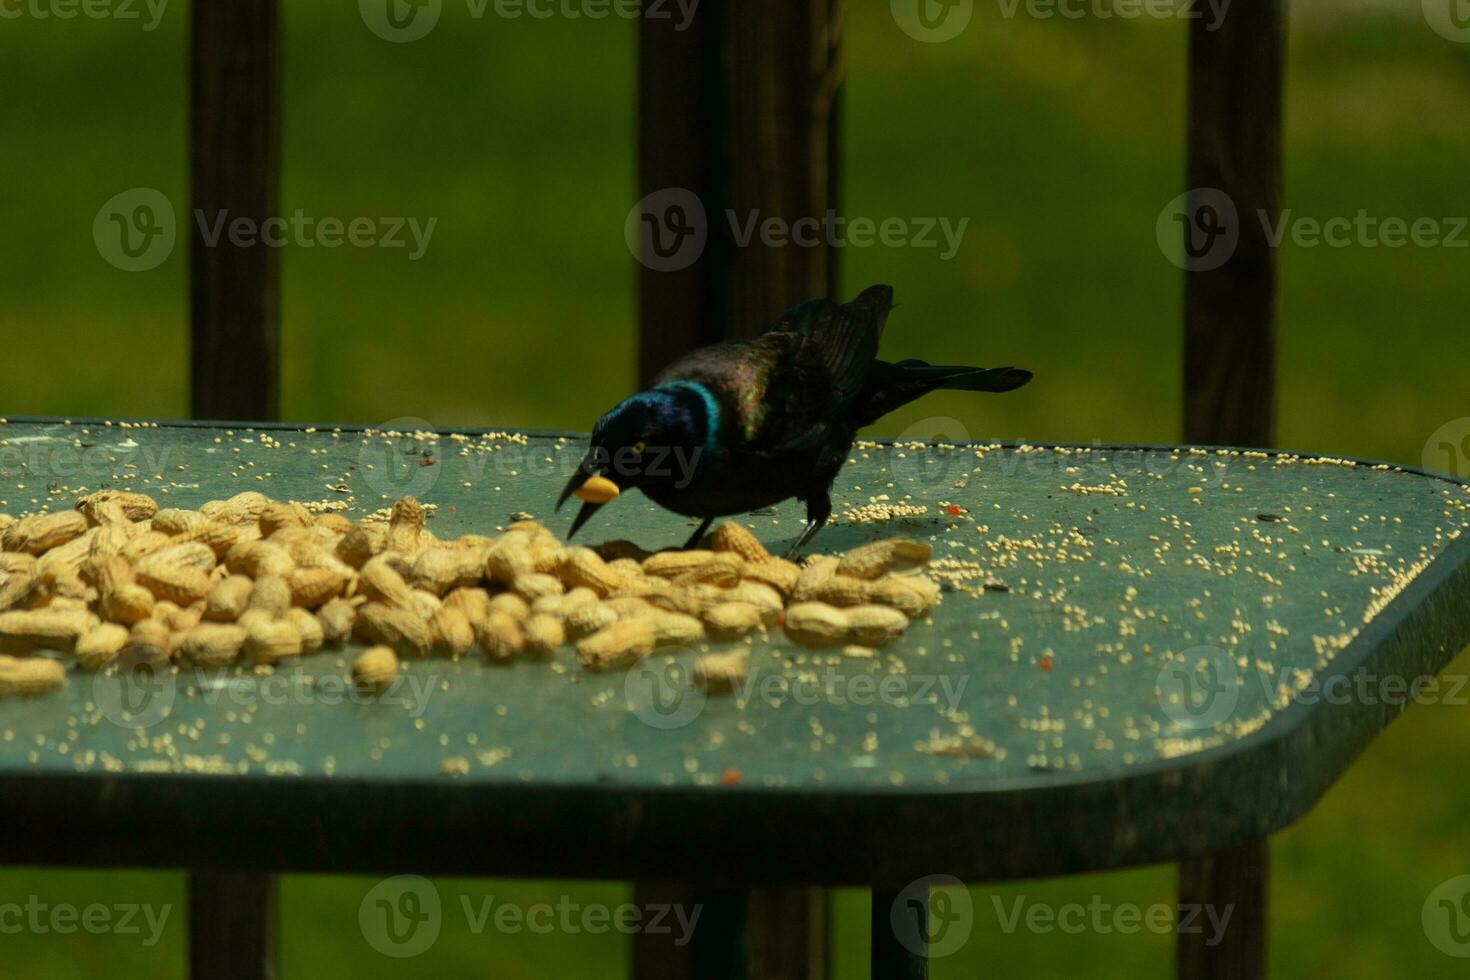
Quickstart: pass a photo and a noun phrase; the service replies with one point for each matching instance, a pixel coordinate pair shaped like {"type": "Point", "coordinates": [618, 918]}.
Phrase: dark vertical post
{"type": "Point", "coordinates": [783, 65]}
{"type": "Point", "coordinates": [1236, 74]}
{"type": "Point", "coordinates": [788, 933]}
{"type": "Point", "coordinates": [234, 159]}
{"type": "Point", "coordinates": [232, 926]}
{"type": "Point", "coordinates": [738, 111]}
{"type": "Point", "coordinates": [898, 938]}
{"type": "Point", "coordinates": [760, 933]}
{"type": "Point", "coordinates": [234, 370]}
{"type": "Point", "coordinates": [679, 150]}
{"type": "Point", "coordinates": [1236, 70]}
{"type": "Point", "coordinates": [715, 951]}
{"type": "Point", "coordinates": [1234, 881]}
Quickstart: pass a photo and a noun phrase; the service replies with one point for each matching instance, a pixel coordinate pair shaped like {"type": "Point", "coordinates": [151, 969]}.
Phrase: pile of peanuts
{"type": "Point", "coordinates": [254, 581]}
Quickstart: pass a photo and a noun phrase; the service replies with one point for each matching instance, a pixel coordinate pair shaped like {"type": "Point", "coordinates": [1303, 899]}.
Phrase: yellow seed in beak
{"type": "Point", "coordinates": [597, 490]}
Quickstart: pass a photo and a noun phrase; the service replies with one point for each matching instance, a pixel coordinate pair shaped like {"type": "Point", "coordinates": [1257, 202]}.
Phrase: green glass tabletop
{"type": "Point", "coordinates": [1141, 654]}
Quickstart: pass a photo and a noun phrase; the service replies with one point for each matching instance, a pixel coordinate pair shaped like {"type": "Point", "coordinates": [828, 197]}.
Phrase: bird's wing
{"type": "Point", "coordinates": [789, 387]}
{"type": "Point", "coordinates": [841, 339]}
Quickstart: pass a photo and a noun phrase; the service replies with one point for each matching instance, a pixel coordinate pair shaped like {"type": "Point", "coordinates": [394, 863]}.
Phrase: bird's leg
{"type": "Point", "coordinates": [693, 542]}
{"type": "Point", "coordinates": [818, 509]}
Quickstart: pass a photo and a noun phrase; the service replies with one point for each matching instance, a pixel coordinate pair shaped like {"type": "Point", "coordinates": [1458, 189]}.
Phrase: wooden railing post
{"type": "Point", "coordinates": [1236, 74]}
{"type": "Point", "coordinates": [679, 162]}
{"type": "Point", "coordinates": [234, 165]}
{"type": "Point", "coordinates": [233, 926]}
{"type": "Point", "coordinates": [234, 370]}
{"type": "Point", "coordinates": [738, 121]}
{"type": "Point", "coordinates": [783, 76]}
{"type": "Point", "coordinates": [739, 113]}
{"type": "Point", "coordinates": [1236, 69]}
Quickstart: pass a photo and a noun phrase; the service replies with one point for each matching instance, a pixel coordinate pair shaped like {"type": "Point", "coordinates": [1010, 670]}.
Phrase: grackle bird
{"type": "Point", "coordinates": [741, 425]}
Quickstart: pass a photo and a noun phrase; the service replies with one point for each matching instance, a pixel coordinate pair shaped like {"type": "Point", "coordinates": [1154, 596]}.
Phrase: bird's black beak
{"type": "Point", "coordinates": [583, 516]}
{"type": "Point", "coordinates": [590, 486]}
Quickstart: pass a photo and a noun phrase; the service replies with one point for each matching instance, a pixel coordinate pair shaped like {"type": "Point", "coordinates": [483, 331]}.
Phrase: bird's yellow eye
{"type": "Point", "coordinates": [639, 446]}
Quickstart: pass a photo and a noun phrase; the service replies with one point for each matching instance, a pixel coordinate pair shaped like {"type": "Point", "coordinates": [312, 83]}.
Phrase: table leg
{"type": "Point", "coordinates": [1231, 882]}
{"type": "Point", "coordinates": [232, 926]}
{"type": "Point", "coordinates": [899, 937]}
{"type": "Point", "coordinates": [764, 933]}
{"type": "Point", "coordinates": [787, 933]}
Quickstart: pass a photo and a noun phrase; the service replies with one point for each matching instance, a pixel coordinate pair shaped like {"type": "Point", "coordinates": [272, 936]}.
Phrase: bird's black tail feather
{"type": "Point", "coordinates": [891, 386]}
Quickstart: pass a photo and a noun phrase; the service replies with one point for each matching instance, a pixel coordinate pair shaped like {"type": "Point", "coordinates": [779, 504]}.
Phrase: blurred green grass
{"type": "Point", "coordinates": [1060, 141]}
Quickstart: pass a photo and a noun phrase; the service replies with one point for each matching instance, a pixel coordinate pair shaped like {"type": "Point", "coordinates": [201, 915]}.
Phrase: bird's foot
{"type": "Point", "coordinates": [698, 535]}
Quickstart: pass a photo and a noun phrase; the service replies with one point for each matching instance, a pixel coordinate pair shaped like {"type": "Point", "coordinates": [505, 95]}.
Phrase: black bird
{"type": "Point", "coordinates": [741, 425]}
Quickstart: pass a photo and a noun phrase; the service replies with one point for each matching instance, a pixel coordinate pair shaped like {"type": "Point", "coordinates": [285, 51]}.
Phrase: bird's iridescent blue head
{"type": "Point", "coordinates": [656, 438]}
